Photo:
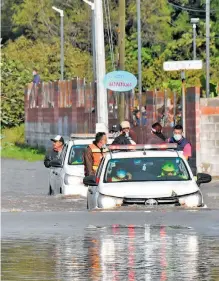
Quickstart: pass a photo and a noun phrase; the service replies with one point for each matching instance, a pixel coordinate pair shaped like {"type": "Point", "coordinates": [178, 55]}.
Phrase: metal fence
{"type": "Point", "coordinates": [161, 106]}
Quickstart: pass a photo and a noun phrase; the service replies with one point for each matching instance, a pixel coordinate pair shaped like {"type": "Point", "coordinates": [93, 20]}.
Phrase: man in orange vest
{"type": "Point", "coordinates": [94, 153]}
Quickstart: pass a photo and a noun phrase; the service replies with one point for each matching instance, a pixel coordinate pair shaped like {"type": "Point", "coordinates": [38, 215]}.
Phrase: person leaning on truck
{"type": "Point", "coordinates": [54, 153]}
{"type": "Point", "coordinates": [182, 143]}
{"type": "Point", "coordinates": [125, 137]}
{"type": "Point", "coordinates": [94, 153]}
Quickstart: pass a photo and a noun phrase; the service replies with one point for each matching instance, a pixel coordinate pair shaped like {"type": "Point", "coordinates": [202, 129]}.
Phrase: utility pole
{"type": "Point", "coordinates": [194, 41]}
{"type": "Point", "coordinates": [61, 12]}
{"type": "Point", "coordinates": [139, 55]}
{"type": "Point", "coordinates": [102, 104]}
{"type": "Point", "coordinates": [183, 77]}
{"type": "Point", "coordinates": [194, 22]}
{"type": "Point", "coordinates": [121, 55]}
{"type": "Point", "coordinates": [207, 48]}
{"type": "Point", "coordinates": [62, 47]}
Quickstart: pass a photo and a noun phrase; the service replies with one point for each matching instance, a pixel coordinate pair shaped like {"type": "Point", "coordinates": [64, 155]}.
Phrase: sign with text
{"type": "Point", "coordinates": [182, 65]}
{"type": "Point", "coordinates": [120, 81]}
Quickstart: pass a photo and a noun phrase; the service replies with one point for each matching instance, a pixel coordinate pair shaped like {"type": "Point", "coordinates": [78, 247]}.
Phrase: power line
{"type": "Point", "coordinates": [108, 23]}
{"type": "Point", "coordinates": [111, 35]}
{"type": "Point", "coordinates": [189, 8]}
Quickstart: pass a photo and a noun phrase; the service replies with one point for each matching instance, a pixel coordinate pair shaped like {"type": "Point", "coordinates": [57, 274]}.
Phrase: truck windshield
{"type": "Point", "coordinates": [146, 169]}
{"type": "Point", "coordinates": [76, 154]}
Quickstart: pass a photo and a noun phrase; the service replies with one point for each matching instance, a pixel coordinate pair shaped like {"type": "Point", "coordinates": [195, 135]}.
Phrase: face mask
{"type": "Point", "coordinates": [104, 146]}
{"type": "Point", "coordinates": [177, 137]}
{"type": "Point", "coordinates": [127, 134]}
{"type": "Point", "coordinates": [34, 73]}
{"type": "Point", "coordinates": [121, 174]}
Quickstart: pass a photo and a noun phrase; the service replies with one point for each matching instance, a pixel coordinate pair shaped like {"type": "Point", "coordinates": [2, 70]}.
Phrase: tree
{"type": "Point", "coordinates": [18, 60]}
{"type": "Point", "coordinates": [46, 58]}
{"type": "Point", "coordinates": [14, 77]}
{"type": "Point", "coordinates": [34, 30]}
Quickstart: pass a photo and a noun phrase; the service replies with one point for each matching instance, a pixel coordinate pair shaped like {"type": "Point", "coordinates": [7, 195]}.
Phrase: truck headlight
{"type": "Point", "coordinates": [193, 200]}
{"type": "Point", "coordinates": [107, 202]}
{"type": "Point", "coordinates": [69, 180]}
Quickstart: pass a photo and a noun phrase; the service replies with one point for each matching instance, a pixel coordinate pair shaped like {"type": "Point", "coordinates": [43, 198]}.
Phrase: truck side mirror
{"type": "Point", "coordinates": [203, 178]}
{"type": "Point", "coordinates": [90, 180]}
{"type": "Point", "coordinates": [56, 163]}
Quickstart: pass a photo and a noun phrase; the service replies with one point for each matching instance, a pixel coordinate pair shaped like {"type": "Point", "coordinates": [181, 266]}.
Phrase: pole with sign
{"type": "Point", "coordinates": [182, 66]}
{"type": "Point", "coordinates": [120, 81]}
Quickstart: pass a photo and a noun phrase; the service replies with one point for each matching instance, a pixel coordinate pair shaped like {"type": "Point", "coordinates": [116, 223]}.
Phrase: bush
{"type": "Point", "coordinates": [13, 145]}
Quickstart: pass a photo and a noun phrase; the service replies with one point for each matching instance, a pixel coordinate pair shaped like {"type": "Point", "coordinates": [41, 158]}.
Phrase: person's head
{"type": "Point", "coordinates": [125, 127]}
{"type": "Point", "coordinates": [116, 128]}
{"type": "Point", "coordinates": [120, 171]}
{"type": "Point", "coordinates": [138, 114]}
{"type": "Point", "coordinates": [156, 128]}
{"type": "Point", "coordinates": [168, 169]}
{"type": "Point", "coordinates": [35, 71]}
{"type": "Point", "coordinates": [100, 139]}
{"type": "Point", "coordinates": [58, 143]}
{"type": "Point", "coordinates": [178, 132]}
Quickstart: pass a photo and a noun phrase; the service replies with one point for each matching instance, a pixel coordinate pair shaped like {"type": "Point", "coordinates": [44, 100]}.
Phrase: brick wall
{"type": "Point", "coordinates": [161, 107]}
{"type": "Point", "coordinates": [63, 108]}
{"type": "Point", "coordinates": [192, 130]}
{"type": "Point", "coordinates": [69, 107]}
{"type": "Point", "coordinates": [209, 136]}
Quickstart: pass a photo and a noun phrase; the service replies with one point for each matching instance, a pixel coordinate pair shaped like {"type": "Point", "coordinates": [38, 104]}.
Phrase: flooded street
{"type": "Point", "coordinates": [114, 253]}
{"type": "Point", "coordinates": [52, 238]}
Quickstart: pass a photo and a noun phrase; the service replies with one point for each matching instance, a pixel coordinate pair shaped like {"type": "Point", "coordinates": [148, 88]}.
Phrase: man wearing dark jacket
{"type": "Point", "coordinates": [58, 144]}
{"type": "Point", "coordinates": [36, 77]}
{"type": "Point", "coordinates": [156, 136]}
{"type": "Point", "coordinates": [182, 143]}
{"type": "Point", "coordinates": [124, 138]}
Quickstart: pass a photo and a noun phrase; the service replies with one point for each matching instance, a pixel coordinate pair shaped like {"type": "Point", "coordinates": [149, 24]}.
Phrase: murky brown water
{"type": "Point", "coordinates": [113, 254]}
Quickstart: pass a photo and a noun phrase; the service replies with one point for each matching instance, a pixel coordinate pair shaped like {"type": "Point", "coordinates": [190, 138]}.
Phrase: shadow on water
{"type": "Point", "coordinates": [114, 253]}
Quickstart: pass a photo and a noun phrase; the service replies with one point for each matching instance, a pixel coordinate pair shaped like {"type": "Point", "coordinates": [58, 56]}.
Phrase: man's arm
{"type": "Point", "coordinates": [88, 162]}
{"type": "Point", "coordinates": [116, 140]}
{"type": "Point", "coordinates": [47, 160]}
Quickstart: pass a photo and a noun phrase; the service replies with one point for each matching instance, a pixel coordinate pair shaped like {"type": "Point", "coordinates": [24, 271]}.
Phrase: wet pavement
{"type": "Point", "coordinates": [114, 253]}
{"type": "Point", "coordinates": [54, 238]}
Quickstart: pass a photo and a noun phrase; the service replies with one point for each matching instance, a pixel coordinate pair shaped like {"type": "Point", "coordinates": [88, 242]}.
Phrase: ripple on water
{"type": "Point", "coordinates": [114, 253]}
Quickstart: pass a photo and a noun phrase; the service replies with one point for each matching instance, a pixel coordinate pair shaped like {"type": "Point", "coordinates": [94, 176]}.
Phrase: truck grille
{"type": "Point", "coordinates": [161, 201]}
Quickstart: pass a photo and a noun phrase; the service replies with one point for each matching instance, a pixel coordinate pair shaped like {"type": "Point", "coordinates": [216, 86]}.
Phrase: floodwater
{"type": "Point", "coordinates": [114, 253]}
{"type": "Point", "coordinates": [51, 238]}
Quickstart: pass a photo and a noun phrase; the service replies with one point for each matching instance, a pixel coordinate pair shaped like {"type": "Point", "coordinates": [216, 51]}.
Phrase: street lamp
{"type": "Point", "coordinates": [62, 40]}
{"type": "Point", "coordinates": [194, 21]}
{"type": "Point", "coordinates": [91, 4]}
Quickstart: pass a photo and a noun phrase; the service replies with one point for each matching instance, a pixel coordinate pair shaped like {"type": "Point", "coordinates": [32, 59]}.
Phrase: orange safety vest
{"type": "Point", "coordinates": [97, 155]}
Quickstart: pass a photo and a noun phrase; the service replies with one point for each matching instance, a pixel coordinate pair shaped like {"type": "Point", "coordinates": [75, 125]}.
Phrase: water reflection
{"type": "Point", "coordinates": [113, 254]}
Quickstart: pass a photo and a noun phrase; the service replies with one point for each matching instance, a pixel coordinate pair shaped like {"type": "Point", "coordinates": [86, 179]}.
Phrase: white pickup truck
{"type": "Point", "coordinates": [67, 173]}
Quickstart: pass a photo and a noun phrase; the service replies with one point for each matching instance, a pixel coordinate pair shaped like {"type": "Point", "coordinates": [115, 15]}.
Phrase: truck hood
{"type": "Point", "coordinates": [75, 170]}
{"type": "Point", "coordinates": [148, 189]}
